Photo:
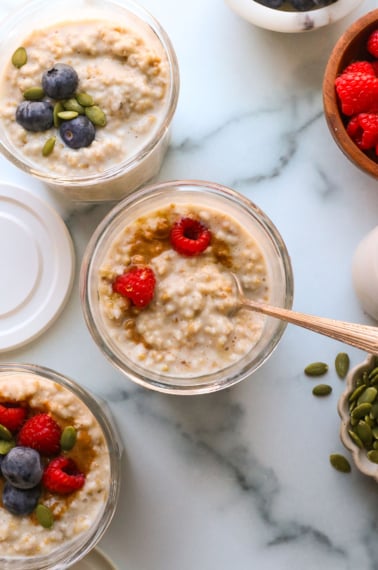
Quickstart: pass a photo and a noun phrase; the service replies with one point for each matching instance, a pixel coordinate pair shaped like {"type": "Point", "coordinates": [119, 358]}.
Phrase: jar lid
{"type": "Point", "coordinates": [95, 560]}
{"type": "Point", "coordinates": [36, 266]}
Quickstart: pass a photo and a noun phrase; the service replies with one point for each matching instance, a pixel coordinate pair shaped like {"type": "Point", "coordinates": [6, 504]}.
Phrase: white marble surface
{"type": "Point", "coordinates": [241, 479]}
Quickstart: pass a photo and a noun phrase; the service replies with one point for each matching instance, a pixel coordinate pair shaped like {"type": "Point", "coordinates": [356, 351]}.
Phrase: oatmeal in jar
{"type": "Point", "coordinates": [166, 294]}
{"type": "Point", "coordinates": [54, 464]}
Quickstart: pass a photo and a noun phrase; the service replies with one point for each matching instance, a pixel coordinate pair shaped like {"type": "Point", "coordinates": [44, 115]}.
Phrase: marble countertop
{"type": "Point", "coordinates": [241, 478]}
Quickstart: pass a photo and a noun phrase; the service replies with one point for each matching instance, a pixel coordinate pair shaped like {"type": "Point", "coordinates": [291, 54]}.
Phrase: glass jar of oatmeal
{"type": "Point", "coordinates": [77, 517]}
{"type": "Point", "coordinates": [182, 335]}
{"type": "Point", "coordinates": [123, 85]}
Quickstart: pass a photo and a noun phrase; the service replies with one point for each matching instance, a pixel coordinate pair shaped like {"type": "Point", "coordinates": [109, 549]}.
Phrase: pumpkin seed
{"type": "Point", "coordinates": [364, 433]}
{"type": "Point", "coordinates": [356, 393]}
{"type": "Point", "coordinates": [361, 411]}
{"type": "Point", "coordinates": [6, 446]}
{"type": "Point", "coordinates": [316, 369]}
{"type": "Point", "coordinates": [96, 115]}
{"type": "Point", "coordinates": [73, 105]}
{"type": "Point", "coordinates": [375, 445]}
{"type": "Point", "coordinates": [48, 147]}
{"type": "Point", "coordinates": [44, 516]}
{"type": "Point", "coordinates": [374, 431]}
{"type": "Point", "coordinates": [84, 99]}
{"type": "Point", "coordinates": [342, 363]}
{"type": "Point", "coordinates": [373, 372]}
{"type": "Point", "coordinates": [68, 438]}
{"type": "Point", "coordinates": [374, 411]}
{"type": "Point", "coordinates": [339, 462]}
{"type": "Point", "coordinates": [19, 58]}
{"type": "Point", "coordinates": [368, 395]}
{"type": "Point", "coordinates": [67, 115]}
{"type": "Point", "coordinates": [34, 94]}
{"type": "Point", "coordinates": [5, 433]}
{"type": "Point", "coordinates": [58, 108]}
{"type": "Point", "coordinates": [354, 437]}
{"type": "Point", "coordinates": [373, 455]}
{"type": "Point", "coordinates": [322, 390]}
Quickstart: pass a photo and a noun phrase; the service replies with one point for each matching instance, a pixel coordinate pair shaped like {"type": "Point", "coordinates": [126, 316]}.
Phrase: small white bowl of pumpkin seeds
{"type": "Point", "coordinates": [358, 410]}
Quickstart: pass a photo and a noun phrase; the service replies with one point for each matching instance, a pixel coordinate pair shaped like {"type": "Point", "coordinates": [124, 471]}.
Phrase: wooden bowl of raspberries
{"type": "Point", "coordinates": [350, 93]}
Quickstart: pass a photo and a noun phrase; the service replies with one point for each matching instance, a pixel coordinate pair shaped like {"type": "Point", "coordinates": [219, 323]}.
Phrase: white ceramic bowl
{"type": "Point", "coordinates": [359, 454]}
{"type": "Point", "coordinates": [279, 20]}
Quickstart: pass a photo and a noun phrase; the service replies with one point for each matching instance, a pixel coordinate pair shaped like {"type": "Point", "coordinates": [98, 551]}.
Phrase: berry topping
{"type": "Point", "coordinates": [62, 476]}
{"type": "Point", "coordinates": [12, 416]}
{"type": "Point", "coordinates": [35, 115]}
{"type": "Point", "coordinates": [78, 132]}
{"type": "Point", "coordinates": [358, 93]}
{"type": "Point", "coordinates": [137, 284]}
{"type": "Point", "coordinates": [372, 44]}
{"type": "Point", "coordinates": [20, 501]}
{"type": "Point", "coordinates": [60, 81]}
{"type": "Point", "coordinates": [22, 467]}
{"type": "Point", "coordinates": [190, 237]}
{"type": "Point", "coordinates": [41, 432]}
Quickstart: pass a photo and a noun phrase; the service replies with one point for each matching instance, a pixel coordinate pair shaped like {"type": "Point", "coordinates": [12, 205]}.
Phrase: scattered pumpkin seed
{"type": "Point", "coordinates": [5, 434]}
{"type": "Point", "coordinates": [19, 58]}
{"type": "Point", "coordinates": [67, 115]}
{"type": "Point", "coordinates": [44, 516]}
{"type": "Point", "coordinates": [73, 105]}
{"type": "Point", "coordinates": [34, 94]}
{"type": "Point", "coordinates": [368, 395]}
{"type": "Point", "coordinates": [322, 390]}
{"type": "Point", "coordinates": [68, 438]}
{"type": "Point", "coordinates": [48, 147]}
{"type": "Point", "coordinates": [342, 363]}
{"type": "Point", "coordinates": [96, 115]}
{"type": "Point", "coordinates": [6, 446]}
{"type": "Point", "coordinates": [339, 462]}
{"type": "Point", "coordinates": [85, 99]}
{"type": "Point", "coordinates": [316, 369]}
{"type": "Point", "coordinates": [373, 455]}
{"type": "Point", "coordinates": [58, 108]}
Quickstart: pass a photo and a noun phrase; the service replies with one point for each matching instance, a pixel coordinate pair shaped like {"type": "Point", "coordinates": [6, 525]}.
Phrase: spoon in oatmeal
{"type": "Point", "coordinates": [364, 337]}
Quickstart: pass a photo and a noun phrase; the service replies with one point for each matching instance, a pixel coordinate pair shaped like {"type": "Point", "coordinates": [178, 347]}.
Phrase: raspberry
{"type": "Point", "coordinates": [42, 433]}
{"type": "Point", "coordinates": [369, 125]}
{"type": "Point", "coordinates": [358, 93]}
{"type": "Point", "coordinates": [372, 43]}
{"type": "Point", "coordinates": [354, 130]}
{"type": "Point", "coordinates": [366, 67]}
{"type": "Point", "coordinates": [137, 284]}
{"type": "Point", "coordinates": [62, 476]}
{"type": "Point", "coordinates": [190, 237]}
{"type": "Point", "coordinates": [12, 416]}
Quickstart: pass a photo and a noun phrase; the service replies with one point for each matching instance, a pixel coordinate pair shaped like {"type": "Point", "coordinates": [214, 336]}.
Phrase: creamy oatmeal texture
{"type": "Point", "coordinates": [124, 69]}
{"type": "Point", "coordinates": [75, 514]}
{"type": "Point", "coordinates": [187, 330]}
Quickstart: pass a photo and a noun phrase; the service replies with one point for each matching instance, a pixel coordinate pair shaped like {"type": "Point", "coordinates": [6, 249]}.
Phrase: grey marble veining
{"type": "Point", "coordinates": [240, 479]}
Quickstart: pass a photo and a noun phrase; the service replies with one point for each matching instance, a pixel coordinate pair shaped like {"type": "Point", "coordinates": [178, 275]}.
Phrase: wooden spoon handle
{"type": "Point", "coordinates": [364, 337]}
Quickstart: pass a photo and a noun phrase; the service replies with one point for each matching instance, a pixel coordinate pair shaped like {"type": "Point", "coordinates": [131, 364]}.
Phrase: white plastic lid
{"type": "Point", "coordinates": [95, 560]}
{"type": "Point", "coordinates": [36, 266]}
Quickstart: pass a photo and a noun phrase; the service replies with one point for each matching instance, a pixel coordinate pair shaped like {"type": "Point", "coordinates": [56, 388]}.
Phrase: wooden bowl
{"type": "Point", "coordinates": [350, 47]}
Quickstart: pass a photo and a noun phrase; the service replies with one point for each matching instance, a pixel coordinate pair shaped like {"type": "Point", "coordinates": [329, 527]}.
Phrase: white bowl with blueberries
{"type": "Point", "coordinates": [291, 16]}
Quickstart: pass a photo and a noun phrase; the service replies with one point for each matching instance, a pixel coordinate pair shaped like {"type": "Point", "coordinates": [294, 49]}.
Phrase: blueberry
{"type": "Point", "coordinates": [20, 501]}
{"type": "Point", "coordinates": [77, 132]}
{"type": "Point", "coordinates": [22, 467]}
{"type": "Point", "coordinates": [35, 115]}
{"type": "Point", "coordinates": [60, 81]}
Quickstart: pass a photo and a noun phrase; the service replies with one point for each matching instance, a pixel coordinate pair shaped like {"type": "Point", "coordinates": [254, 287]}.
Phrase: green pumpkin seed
{"type": "Point", "coordinates": [368, 395]}
{"type": "Point", "coordinates": [316, 369]}
{"type": "Point", "coordinates": [374, 431]}
{"type": "Point", "coordinates": [34, 94]}
{"type": "Point", "coordinates": [373, 372]}
{"type": "Point", "coordinates": [48, 147]}
{"type": "Point", "coordinates": [364, 432]}
{"type": "Point", "coordinates": [73, 105]}
{"type": "Point", "coordinates": [96, 115]}
{"type": "Point", "coordinates": [354, 437]}
{"type": "Point", "coordinates": [5, 433]}
{"type": "Point", "coordinates": [373, 379]}
{"type": "Point", "coordinates": [374, 412]}
{"type": "Point", "coordinates": [375, 445]}
{"type": "Point", "coordinates": [68, 438]}
{"type": "Point", "coordinates": [67, 115]}
{"type": "Point", "coordinates": [58, 108]}
{"type": "Point", "coordinates": [342, 363]}
{"type": "Point", "coordinates": [361, 411]}
{"type": "Point", "coordinates": [357, 392]}
{"type": "Point", "coordinates": [6, 446]}
{"type": "Point", "coordinates": [339, 462]}
{"type": "Point", "coordinates": [19, 58]}
{"type": "Point", "coordinates": [373, 455]}
{"type": "Point", "coordinates": [84, 99]}
{"type": "Point", "coordinates": [44, 516]}
{"type": "Point", "coordinates": [322, 390]}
